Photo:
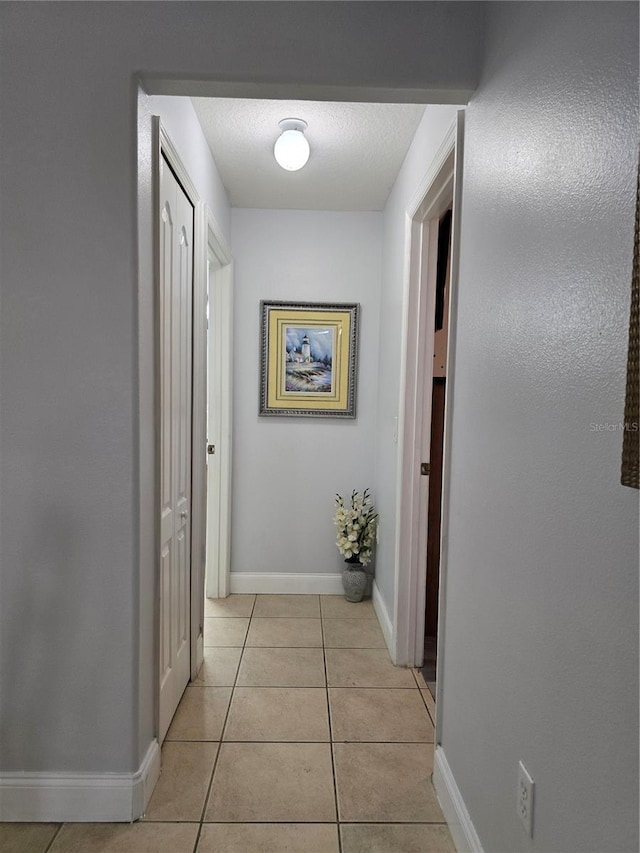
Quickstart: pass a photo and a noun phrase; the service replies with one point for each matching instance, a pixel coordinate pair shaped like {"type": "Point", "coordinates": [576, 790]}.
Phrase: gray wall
{"type": "Point", "coordinates": [77, 498]}
{"type": "Point", "coordinates": [541, 645]}
{"type": "Point", "coordinates": [286, 472]}
{"type": "Point", "coordinates": [542, 623]}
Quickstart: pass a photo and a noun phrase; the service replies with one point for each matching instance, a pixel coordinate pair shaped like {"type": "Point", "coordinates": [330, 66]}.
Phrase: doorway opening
{"type": "Point", "coordinates": [438, 395]}
{"type": "Point", "coordinates": [218, 582]}
{"type": "Point", "coordinates": [426, 413]}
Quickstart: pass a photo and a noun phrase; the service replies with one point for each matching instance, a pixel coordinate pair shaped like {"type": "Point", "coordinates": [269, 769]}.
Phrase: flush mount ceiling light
{"type": "Point", "coordinates": [291, 149]}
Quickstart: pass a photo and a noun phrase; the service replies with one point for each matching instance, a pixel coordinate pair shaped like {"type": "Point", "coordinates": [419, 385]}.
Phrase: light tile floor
{"type": "Point", "coordinates": [299, 736]}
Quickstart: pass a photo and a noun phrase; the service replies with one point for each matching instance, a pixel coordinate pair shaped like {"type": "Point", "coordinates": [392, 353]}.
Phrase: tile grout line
{"type": "Point", "coordinates": [319, 742]}
{"type": "Point", "coordinates": [331, 648]}
{"type": "Point", "coordinates": [289, 822]}
{"type": "Point", "coordinates": [301, 686]}
{"type": "Point", "coordinates": [55, 835]}
{"type": "Point", "coordinates": [274, 822]}
{"type": "Point", "coordinates": [333, 762]}
{"type": "Point", "coordinates": [420, 691]}
{"type": "Point", "coordinates": [224, 725]}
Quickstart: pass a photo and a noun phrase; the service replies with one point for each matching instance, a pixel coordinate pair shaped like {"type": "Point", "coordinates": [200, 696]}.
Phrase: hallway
{"type": "Point", "coordinates": [299, 736]}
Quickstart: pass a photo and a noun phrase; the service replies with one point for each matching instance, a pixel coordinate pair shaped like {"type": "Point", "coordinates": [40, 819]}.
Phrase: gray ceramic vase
{"type": "Point", "coordinates": [354, 581]}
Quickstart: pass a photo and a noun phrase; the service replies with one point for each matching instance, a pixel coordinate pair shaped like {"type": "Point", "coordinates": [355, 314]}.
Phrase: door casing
{"type": "Point", "coordinates": [440, 188]}
{"type": "Point", "coordinates": [219, 419]}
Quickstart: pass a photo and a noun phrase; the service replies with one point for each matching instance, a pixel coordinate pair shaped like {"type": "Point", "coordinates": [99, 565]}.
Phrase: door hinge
{"type": "Point", "coordinates": [425, 469]}
{"type": "Point", "coordinates": [211, 449]}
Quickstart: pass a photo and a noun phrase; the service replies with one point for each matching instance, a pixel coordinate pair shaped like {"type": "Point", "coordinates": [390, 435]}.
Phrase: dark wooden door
{"type": "Point", "coordinates": [435, 498]}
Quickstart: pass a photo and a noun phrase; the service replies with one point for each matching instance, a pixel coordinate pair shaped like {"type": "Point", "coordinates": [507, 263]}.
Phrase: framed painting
{"type": "Point", "coordinates": [308, 359]}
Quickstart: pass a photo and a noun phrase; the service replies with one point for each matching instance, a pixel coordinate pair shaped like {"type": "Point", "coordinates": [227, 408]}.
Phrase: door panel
{"type": "Point", "coordinates": [175, 359]}
{"type": "Point", "coordinates": [435, 499]}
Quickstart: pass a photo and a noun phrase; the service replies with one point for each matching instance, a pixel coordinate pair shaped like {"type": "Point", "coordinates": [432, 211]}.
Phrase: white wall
{"type": "Point", "coordinates": [435, 123]}
{"type": "Point", "coordinates": [286, 471]}
{"type": "Point", "coordinates": [541, 645]}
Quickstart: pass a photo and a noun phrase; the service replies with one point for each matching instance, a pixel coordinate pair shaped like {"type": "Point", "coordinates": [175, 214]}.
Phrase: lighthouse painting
{"type": "Point", "coordinates": [309, 358]}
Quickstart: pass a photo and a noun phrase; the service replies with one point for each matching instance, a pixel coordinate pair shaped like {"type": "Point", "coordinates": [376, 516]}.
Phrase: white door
{"type": "Point", "coordinates": [175, 360]}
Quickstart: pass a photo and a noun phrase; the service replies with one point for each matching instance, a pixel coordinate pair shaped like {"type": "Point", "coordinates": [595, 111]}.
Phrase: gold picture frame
{"type": "Point", "coordinates": [308, 359]}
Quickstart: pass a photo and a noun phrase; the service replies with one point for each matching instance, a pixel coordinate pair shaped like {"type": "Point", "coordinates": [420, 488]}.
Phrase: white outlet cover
{"type": "Point", "coordinates": [524, 801]}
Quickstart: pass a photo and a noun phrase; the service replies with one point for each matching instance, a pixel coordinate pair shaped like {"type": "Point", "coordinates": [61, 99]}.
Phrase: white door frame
{"type": "Point", "coordinates": [439, 188]}
{"type": "Point", "coordinates": [458, 178]}
{"type": "Point", "coordinates": [198, 439]}
{"type": "Point", "coordinates": [220, 366]}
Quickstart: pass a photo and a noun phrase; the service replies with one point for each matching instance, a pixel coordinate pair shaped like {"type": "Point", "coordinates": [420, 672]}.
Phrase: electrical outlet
{"type": "Point", "coordinates": [525, 798]}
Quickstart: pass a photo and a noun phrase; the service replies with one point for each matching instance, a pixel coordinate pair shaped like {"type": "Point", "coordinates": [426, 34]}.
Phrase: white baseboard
{"type": "Point", "coordinates": [149, 772]}
{"type": "Point", "coordinates": [79, 797]}
{"type": "Point", "coordinates": [462, 829]}
{"type": "Point", "coordinates": [284, 583]}
{"type": "Point", "coordinates": [383, 618]}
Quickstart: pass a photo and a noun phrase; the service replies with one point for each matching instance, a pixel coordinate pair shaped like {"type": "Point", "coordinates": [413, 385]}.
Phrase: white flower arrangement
{"type": "Point", "coordinates": [356, 527]}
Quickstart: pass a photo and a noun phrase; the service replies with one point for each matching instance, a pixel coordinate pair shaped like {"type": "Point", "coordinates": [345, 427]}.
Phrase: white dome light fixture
{"type": "Point", "coordinates": [291, 149]}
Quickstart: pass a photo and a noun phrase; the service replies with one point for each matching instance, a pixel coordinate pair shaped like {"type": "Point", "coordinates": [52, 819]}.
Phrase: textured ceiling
{"type": "Point", "coordinates": [356, 151]}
